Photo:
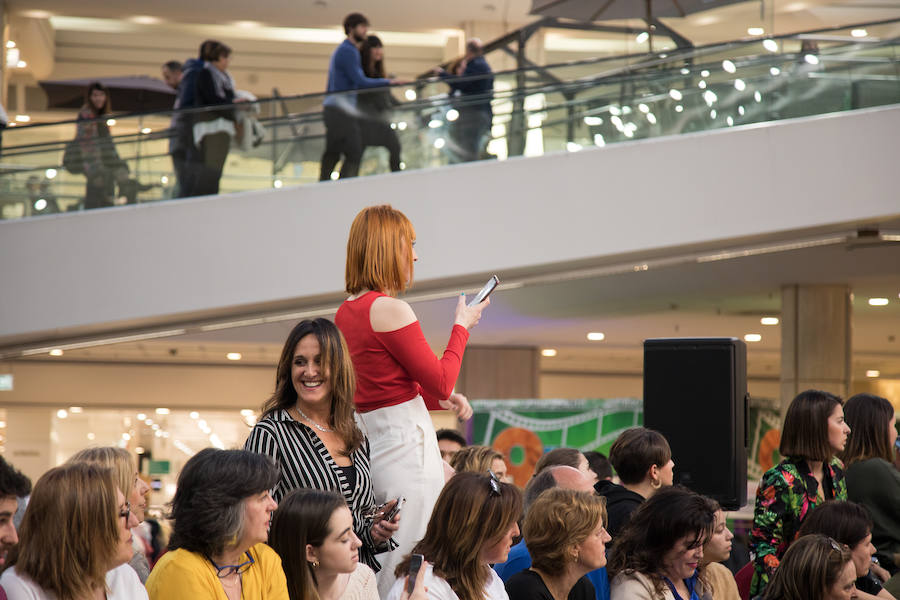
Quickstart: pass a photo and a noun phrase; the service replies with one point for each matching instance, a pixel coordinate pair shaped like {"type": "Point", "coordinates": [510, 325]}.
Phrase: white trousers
{"type": "Point", "coordinates": [405, 461]}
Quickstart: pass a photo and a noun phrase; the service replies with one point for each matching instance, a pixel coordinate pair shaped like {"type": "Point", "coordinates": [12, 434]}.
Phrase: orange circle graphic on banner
{"type": "Point", "coordinates": [767, 447]}
{"type": "Point", "coordinates": [524, 443]}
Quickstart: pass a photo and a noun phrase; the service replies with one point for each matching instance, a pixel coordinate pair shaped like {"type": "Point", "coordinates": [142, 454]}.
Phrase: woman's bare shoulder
{"type": "Point", "coordinates": [390, 314]}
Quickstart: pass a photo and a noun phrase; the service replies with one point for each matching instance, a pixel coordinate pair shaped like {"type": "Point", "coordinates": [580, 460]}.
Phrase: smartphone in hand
{"type": "Point", "coordinates": [415, 564]}
{"type": "Point", "coordinates": [485, 291]}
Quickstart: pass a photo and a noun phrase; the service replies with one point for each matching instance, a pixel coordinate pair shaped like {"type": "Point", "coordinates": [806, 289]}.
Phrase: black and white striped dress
{"type": "Point", "coordinates": [306, 463]}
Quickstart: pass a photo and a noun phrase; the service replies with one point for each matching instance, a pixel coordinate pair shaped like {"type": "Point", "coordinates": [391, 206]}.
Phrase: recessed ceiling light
{"type": "Point", "coordinates": [162, 411]}
{"type": "Point", "coordinates": [596, 336]}
{"type": "Point", "coordinates": [642, 37]}
{"type": "Point", "coordinates": [10, 44]}
{"type": "Point", "coordinates": [770, 45]}
{"type": "Point", "coordinates": [247, 412]}
{"type": "Point", "coordinates": [752, 337]}
{"type": "Point", "coordinates": [141, 416]}
{"type": "Point", "coordinates": [75, 410]}
{"type": "Point", "coordinates": [755, 30]}
{"type": "Point", "coordinates": [549, 352]}
{"type": "Point", "coordinates": [769, 321]}
{"type": "Point", "coordinates": [878, 301]}
{"type": "Point", "coordinates": [194, 415]}
{"type": "Point", "coordinates": [873, 373]}
{"type": "Point", "coordinates": [233, 356]}
{"type": "Point", "coordinates": [62, 414]}
{"type": "Point", "coordinates": [56, 352]}
{"type": "Point", "coordinates": [729, 66]}
{"type": "Point", "coordinates": [857, 33]}
{"type": "Point", "coordinates": [91, 436]}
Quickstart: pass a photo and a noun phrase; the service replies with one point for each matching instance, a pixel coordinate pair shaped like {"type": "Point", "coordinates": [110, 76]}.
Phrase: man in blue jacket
{"type": "Point", "coordinates": [345, 74]}
{"type": "Point", "coordinates": [475, 88]}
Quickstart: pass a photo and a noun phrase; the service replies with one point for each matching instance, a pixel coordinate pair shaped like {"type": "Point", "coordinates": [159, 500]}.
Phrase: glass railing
{"type": "Point", "coordinates": [539, 110]}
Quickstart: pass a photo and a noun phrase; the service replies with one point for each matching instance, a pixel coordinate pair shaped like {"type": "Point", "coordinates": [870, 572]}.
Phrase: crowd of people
{"type": "Point", "coordinates": [345, 490]}
{"type": "Point", "coordinates": [200, 137]}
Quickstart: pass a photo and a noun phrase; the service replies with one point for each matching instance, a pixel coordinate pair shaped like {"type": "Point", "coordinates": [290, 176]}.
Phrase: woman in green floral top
{"type": "Point", "coordinates": [814, 431]}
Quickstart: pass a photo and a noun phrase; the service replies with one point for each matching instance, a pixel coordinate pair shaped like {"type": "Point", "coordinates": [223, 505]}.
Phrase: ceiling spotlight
{"type": "Point", "coordinates": [770, 45]}
{"type": "Point", "coordinates": [755, 30]}
{"type": "Point", "coordinates": [233, 356]}
{"type": "Point", "coordinates": [56, 352]}
{"type": "Point", "coordinates": [675, 94]}
{"type": "Point", "coordinates": [162, 411]}
{"type": "Point", "coordinates": [857, 33]}
{"type": "Point", "coordinates": [76, 410]}
{"type": "Point", "coordinates": [596, 336]}
{"type": "Point", "coordinates": [62, 413]}
{"type": "Point", "coordinates": [752, 337]}
{"type": "Point", "coordinates": [729, 66]}
{"type": "Point", "coordinates": [704, 73]}
{"type": "Point", "coordinates": [873, 373]}
{"type": "Point", "coordinates": [549, 352]}
{"type": "Point", "coordinates": [247, 412]}
{"type": "Point", "coordinates": [642, 37]}
{"type": "Point", "coordinates": [769, 321]}
{"type": "Point", "coordinates": [141, 416]}
{"type": "Point", "coordinates": [878, 301]}
{"type": "Point", "coordinates": [811, 59]}
{"type": "Point", "coordinates": [194, 415]}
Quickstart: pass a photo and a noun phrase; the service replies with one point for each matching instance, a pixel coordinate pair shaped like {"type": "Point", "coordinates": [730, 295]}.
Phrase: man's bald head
{"type": "Point", "coordinates": [570, 478]}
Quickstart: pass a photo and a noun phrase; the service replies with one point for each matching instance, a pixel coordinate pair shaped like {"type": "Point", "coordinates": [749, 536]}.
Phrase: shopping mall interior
{"type": "Point", "coordinates": [714, 175]}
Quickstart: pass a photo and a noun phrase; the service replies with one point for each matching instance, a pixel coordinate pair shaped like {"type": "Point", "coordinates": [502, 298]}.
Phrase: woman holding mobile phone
{"type": "Point", "coordinates": [399, 379]}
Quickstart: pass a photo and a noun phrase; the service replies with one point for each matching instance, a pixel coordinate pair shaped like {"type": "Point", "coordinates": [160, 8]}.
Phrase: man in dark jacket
{"type": "Point", "coordinates": [172, 73]}
{"type": "Point", "coordinates": [475, 87]}
{"type": "Point", "coordinates": [181, 144]}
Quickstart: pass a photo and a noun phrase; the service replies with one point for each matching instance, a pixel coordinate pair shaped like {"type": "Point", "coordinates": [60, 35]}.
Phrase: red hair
{"type": "Point", "coordinates": [378, 251]}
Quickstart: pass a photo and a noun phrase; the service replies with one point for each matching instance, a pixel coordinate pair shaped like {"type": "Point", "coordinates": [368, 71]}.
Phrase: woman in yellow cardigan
{"type": "Point", "coordinates": [221, 513]}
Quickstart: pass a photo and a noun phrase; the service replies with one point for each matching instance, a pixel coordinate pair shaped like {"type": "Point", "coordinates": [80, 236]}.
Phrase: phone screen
{"type": "Point", "coordinates": [415, 563]}
{"type": "Point", "coordinates": [485, 291]}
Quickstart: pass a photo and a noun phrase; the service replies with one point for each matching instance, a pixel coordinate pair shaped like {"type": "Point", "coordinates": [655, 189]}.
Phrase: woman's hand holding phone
{"type": "Point", "coordinates": [468, 316]}
{"type": "Point", "coordinates": [383, 529]}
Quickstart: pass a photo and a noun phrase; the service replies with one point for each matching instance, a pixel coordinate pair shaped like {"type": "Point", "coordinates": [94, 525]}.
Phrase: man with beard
{"type": "Point", "coordinates": [345, 73]}
{"type": "Point", "coordinates": [13, 485]}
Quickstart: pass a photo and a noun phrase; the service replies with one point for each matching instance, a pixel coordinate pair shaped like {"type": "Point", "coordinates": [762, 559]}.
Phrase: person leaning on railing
{"type": "Point", "coordinates": [102, 166]}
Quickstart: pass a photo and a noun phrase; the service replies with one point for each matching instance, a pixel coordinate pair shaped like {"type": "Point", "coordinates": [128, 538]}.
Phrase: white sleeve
{"type": "Point", "coordinates": [18, 588]}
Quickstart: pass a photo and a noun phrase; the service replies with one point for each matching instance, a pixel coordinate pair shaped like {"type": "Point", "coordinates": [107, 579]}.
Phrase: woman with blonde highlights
{"type": "Point", "coordinates": [399, 379]}
{"type": "Point", "coordinates": [815, 567]}
{"type": "Point", "coordinates": [472, 527]}
{"type": "Point", "coordinates": [75, 540]}
{"type": "Point", "coordinates": [565, 535]}
{"type": "Point", "coordinates": [479, 459]}
{"type": "Point", "coordinates": [308, 428]}
{"type": "Point", "coordinates": [130, 483]}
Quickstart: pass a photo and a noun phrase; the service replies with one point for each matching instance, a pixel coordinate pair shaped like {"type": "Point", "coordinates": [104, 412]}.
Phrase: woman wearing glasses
{"type": "Point", "coordinates": [565, 536]}
{"type": "Point", "coordinates": [872, 479]}
{"type": "Point", "coordinates": [131, 484]}
{"type": "Point", "coordinates": [220, 521]}
{"type": "Point", "coordinates": [75, 540]}
{"type": "Point", "coordinates": [657, 555]}
{"type": "Point", "coordinates": [472, 527]}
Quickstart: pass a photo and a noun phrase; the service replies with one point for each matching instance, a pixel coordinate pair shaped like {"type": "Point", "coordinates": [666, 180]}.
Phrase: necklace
{"type": "Point", "coordinates": [313, 423]}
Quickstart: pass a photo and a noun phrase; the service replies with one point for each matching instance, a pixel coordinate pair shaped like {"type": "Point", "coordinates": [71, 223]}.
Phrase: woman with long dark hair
{"type": "Point", "coordinates": [220, 523]}
{"type": "Point", "coordinates": [472, 527]}
{"type": "Point", "coordinates": [657, 555]}
{"type": "Point", "coordinates": [872, 479]}
{"type": "Point", "coordinates": [102, 166]}
{"type": "Point", "coordinates": [375, 106]}
{"type": "Point", "coordinates": [308, 428]}
{"type": "Point", "coordinates": [814, 432]}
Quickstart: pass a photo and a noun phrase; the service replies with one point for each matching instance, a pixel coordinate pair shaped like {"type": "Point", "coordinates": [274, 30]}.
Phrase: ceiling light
{"type": "Point", "coordinates": [146, 130]}
{"type": "Point", "coordinates": [755, 30]}
{"type": "Point", "coordinates": [685, 71]}
{"type": "Point", "coordinates": [76, 410]}
{"type": "Point", "coordinates": [878, 301]}
{"type": "Point", "coordinates": [675, 94]}
{"type": "Point", "coordinates": [769, 321]}
{"type": "Point", "coordinates": [811, 59]}
{"type": "Point", "coordinates": [21, 64]}
{"type": "Point", "coordinates": [246, 24]}
{"type": "Point", "coordinates": [679, 108]}
{"type": "Point", "coordinates": [596, 336]}
{"type": "Point", "coordinates": [740, 85]}
{"type": "Point", "coordinates": [110, 122]}
{"type": "Point", "coordinates": [857, 33]}
{"type": "Point", "coordinates": [139, 450]}
{"type": "Point", "coordinates": [702, 84]}
{"type": "Point", "coordinates": [752, 337]}
{"type": "Point", "coordinates": [593, 121]}
{"type": "Point", "coordinates": [194, 415]}
{"type": "Point", "coordinates": [614, 110]}
{"type": "Point", "coordinates": [234, 356]}
{"type": "Point", "coordinates": [728, 66]}
{"type": "Point", "coordinates": [713, 114]}
{"type": "Point", "coordinates": [642, 37]}
{"type": "Point", "coordinates": [40, 204]}
{"type": "Point", "coordinates": [549, 352]}
{"type": "Point", "coordinates": [598, 140]}
{"type": "Point", "coordinates": [155, 427]}
{"type": "Point", "coordinates": [710, 96]}
{"type": "Point", "coordinates": [201, 423]}
{"type": "Point", "coordinates": [439, 143]}
{"type": "Point", "coordinates": [23, 118]}
{"type": "Point", "coordinates": [434, 123]}
{"type": "Point", "coordinates": [643, 108]}
{"type": "Point", "coordinates": [757, 96]}
{"type": "Point", "coordinates": [741, 110]}
{"type": "Point", "coordinates": [247, 412]}
{"type": "Point", "coordinates": [277, 184]}
{"type": "Point", "coordinates": [704, 73]}
{"type": "Point", "coordinates": [651, 118]}
{"type": "Point", "coordinates": [141, 416]}
{"type": "Point", "coordinates": [56, 352]}
{"type": "Point", "coordinates": [410, 94]}
{"type": "Point", "coordinates": [774, 71]}
{"type": "Point", "coordinates": [148, 422]}
{"type": "Point", "coordinates": [162, 411]}
{"type": "Point", "coordinates": [873, 373]}
{"type": "Point", "coordinates": [62, 414]}
{"type": "Point", "coordinates": [10, 44]}
{"type": "Point", "coordinates": [145, 20]}
{"type": "Point", "coordinates": [126, 436]}
{"type": "Point", "coordinates": [452, 114]}
{"type": "Point", "coordinates": [51, 173]}
{"type": "Point", "coordinates": [91, 436]}
{"type": "Point", "coordinates": [730, 120]}
{"type": "Point", "coordinates": [770, 45]}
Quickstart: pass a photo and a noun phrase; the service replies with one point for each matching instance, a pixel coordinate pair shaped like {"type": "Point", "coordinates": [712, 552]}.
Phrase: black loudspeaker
{"type": "Point", "coordinates": [695, 394]}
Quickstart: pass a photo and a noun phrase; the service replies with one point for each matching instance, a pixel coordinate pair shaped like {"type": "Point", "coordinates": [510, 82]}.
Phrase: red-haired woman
{"type": "Point", "coordinates": [399, 379]}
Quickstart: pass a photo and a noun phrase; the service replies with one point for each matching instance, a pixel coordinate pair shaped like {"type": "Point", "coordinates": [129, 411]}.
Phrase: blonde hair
{"type": "Point", "coordinates": [379, 249]}
{"type": "Point", "coordinates": [477, 459]}
{"type": "Point", "coordinates": [558, 521]}
{"type": "Point", "coordinates": [117, 459]}
{"type": "Point", "coordinates": [69, 534]}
